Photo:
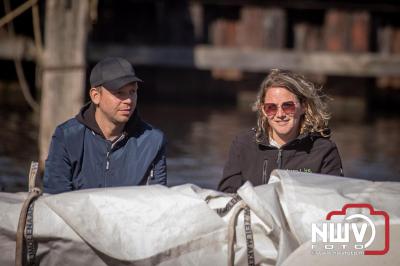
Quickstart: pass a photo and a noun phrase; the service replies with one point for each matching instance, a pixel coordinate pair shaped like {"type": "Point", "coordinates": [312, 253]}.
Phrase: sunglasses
{"type": "Point", "coordinates": [271, 109]}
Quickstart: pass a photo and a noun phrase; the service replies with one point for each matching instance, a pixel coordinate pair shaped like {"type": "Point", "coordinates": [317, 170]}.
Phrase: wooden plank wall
{"type": "Point", "coordinates": [389, 44]}
{"type": "Point", "coordinates": [259, 31]}
{"type": "Point", "coordinates": [342, 31]}
{"type": "Point", "coordinates": [256, 28]}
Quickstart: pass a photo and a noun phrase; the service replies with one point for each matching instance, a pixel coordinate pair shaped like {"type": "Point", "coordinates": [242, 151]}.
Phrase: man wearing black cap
{"type": "Point", "coordinates": [106, 144]}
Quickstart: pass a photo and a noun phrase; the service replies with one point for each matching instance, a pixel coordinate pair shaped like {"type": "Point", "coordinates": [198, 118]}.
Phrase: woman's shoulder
{"type": "Point", "coordinates": [246, 136]}
{"type": "Point", "coordinates": [323, 142]}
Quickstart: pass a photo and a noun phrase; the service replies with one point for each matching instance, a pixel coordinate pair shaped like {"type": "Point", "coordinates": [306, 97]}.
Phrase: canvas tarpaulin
{"type": "Point", "coordinates": [156, 225]}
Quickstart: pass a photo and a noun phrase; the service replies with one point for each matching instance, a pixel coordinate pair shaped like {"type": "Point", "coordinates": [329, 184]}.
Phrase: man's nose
{"type": "Point", "coordinates": [128, 99]}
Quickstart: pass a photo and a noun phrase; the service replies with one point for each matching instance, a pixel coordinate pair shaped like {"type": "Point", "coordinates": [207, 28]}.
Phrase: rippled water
{"type": "Point", "coordinates": [199, 139]}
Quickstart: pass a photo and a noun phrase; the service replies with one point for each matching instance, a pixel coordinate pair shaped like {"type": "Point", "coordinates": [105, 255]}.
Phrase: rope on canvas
{"type": "Point", "coordinates": [24, 229]}
{"type": "Point", "coordinates": [248, 234]}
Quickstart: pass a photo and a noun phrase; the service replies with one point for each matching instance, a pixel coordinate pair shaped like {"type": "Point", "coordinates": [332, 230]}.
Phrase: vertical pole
{"type": "Point", "coordinates": [64, 65]}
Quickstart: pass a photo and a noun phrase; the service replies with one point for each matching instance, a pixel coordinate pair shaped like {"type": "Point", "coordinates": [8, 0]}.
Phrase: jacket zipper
{"type": "Point", "coordinates": [279, 159]}
{"type": "Point", "coordinates": [264, 174]}
{"type": "Point", "coordinates": [108, 157]}
{"type": "Point", "coordinates": [151, 174]}
{"type": "Point", "coordinates": [107, 167]}
{"type": "Point", "coordinates": [108, 161]}
{"type": "Point", "coordinates": [111, 148]}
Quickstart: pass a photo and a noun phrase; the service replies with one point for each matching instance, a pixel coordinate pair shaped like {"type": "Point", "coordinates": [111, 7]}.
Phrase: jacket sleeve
{"type": "Point", "coordinates": [332, 163]}
{"type": "Point", "coordinates": [160, 167]}
{"type": "Point", "coordinates": [58, 171]}
{"type": "Point", "coordinates": [232, 178]}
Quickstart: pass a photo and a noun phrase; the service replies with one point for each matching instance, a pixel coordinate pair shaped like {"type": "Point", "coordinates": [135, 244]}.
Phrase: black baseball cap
{"type": "Point", "coordinates": [113, 73]}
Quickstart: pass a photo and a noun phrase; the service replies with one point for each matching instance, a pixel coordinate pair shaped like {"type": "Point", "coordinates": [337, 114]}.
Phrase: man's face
{"type": "Point", "coordinates": [116, 106]}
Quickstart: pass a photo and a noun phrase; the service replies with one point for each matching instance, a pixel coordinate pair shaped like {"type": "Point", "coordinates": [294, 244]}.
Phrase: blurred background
{"type": "Point", "coordinates": [202, 63]}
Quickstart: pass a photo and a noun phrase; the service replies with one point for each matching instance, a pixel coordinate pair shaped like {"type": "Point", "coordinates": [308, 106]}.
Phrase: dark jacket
{"type": "Point", "coordinates": [80, 157]}
{"type": "Point", "coordinates": [255, 162]}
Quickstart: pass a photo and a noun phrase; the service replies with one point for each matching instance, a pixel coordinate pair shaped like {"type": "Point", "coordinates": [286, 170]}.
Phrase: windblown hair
{"type": "Point", "coordinates": [316, 116]}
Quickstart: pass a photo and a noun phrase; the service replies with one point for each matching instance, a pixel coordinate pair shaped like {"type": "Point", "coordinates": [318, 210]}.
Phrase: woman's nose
{"type": "Point", "coordinates": [280, 112]}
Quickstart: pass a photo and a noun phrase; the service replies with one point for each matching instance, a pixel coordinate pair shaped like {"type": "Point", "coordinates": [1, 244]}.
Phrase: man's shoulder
{"type": "Point", "coordinates": [72, 122]}
{"type": "Point", "coordinates": [151, 131]}
{"type": "Point", "coordinates": [70, 126]}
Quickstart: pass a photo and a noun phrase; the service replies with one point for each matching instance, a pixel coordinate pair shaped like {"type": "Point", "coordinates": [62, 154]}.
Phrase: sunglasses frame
{"type": "Point", "coordinates": [288, 107]}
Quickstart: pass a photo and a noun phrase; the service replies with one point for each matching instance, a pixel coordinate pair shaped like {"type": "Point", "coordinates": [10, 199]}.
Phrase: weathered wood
{"type": "Point", "coordinates": [16, 12]}
{"type": "Point", "coordinates": [318, 62]}
{"type": "Point", "coordinates": [374, 6]}
{"type": "Point", "coordinates": [389, 44]}
{"type": "Point", "coordinates": [346, 31]}
{"type": "Point", "coordinates": [64, 65]}
{"type": "Point", "coordinates": [223, 32]}
{"type": "Point", "coordinates": [250, 30]}
{"type": "Point", "coordinates": [360, 32]}
{"type": "Point", "coordinates": [19, 47]}
{"type": "Point", "coordinates": [385, 36]}
{"type": "Point", "coordinates": [396, 41]}
{"type": "Point", "coordinates": [197, 17]}
{"type": "Point", "coordinates": [274, 26]}
{"type": "Point", "coordinates": [262, 28]}
{"type": "Point", "coordinates": [307, 37]}
{"type": "Point", "coordinates": [255, 60]}
{"type": "Point", "coordinates": [336, 30]}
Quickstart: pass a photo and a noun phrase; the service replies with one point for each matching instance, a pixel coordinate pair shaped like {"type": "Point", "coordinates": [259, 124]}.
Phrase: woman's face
{"type": "Point", "coordinates": [283, 111]}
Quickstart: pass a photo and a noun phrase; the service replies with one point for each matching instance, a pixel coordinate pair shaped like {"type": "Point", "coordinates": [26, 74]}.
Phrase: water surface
{"type": "Point", "coordinates": [199, 139]}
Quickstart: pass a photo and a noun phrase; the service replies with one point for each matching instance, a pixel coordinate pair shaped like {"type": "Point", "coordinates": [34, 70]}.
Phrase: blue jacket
{"type": "Point", "coordinates": [80, 157]}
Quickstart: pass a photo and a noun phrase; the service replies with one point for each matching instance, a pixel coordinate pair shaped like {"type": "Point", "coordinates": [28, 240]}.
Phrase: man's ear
{"type": "Point", "coordinates": [94, 94]}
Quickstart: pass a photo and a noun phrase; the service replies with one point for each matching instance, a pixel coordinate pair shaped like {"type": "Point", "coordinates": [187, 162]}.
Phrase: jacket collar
{"type": "Point", "coordinates": [300, 138]}
{"type": "Point", "coordinates": [86, 116]}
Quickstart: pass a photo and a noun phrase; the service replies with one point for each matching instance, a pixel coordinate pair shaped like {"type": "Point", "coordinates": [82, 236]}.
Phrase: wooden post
{"type": "Point", "coordinates": [64, 65]}
{"type": "Point", "coordinates": [336, 30]}
{"type": "Point", "coordinates": [360, 28]}
{"type": "Point", "coordinates": [223, 33]}
{"type": "Point", "coordinates": [197, 16]}
{"type": "Point", "coordinates": [262, 28]}
{"type": "Point", "coordinates": [307, 37]}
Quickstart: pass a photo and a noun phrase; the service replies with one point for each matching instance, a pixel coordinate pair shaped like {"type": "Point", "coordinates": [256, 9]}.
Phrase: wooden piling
{"type": "Point", "coordinates": [64, 66]}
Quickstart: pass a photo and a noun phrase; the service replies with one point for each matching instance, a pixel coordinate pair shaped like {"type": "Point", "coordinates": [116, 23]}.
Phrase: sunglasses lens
{"type": "Point", "coordinates": [270, 109]}
{"type": "Point", "coordinates": [289, 107]}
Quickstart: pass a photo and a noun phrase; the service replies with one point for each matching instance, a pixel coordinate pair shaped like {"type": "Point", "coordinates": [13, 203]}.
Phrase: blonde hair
{"type": "Point", "coordinates": [316, 115]}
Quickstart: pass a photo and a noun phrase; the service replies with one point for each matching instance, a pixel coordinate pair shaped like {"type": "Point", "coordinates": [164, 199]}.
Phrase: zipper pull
{"type": "Point", "coordinates": [108, 161]}
{"type": "Point", "coordinates": [151, 175]}
{"type": "Point", "coordinates": [264, 174]}
{"type": "Point", "coordinates": [279, 160]}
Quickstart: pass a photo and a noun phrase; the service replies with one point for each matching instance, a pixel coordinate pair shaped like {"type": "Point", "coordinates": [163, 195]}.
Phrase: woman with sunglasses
{"type": "Point", "coordinates": [292, 133]}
